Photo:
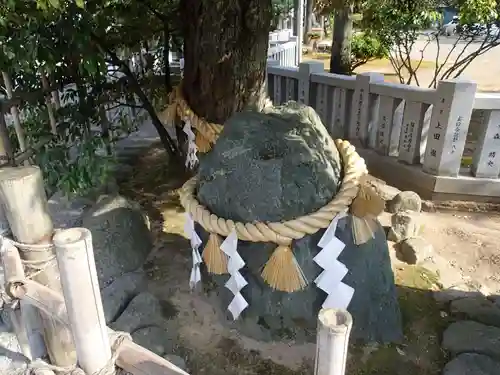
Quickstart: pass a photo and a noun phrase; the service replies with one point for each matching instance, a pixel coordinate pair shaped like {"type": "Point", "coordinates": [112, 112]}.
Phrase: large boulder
{"type": "Point", "coordinates": [120, 236]}
{"type": "Point", "coordinates": [275, 166]}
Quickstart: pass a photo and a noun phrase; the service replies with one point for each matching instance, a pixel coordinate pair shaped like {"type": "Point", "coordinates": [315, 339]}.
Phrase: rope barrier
{"type": "Point", "coordinates": [282, 233]}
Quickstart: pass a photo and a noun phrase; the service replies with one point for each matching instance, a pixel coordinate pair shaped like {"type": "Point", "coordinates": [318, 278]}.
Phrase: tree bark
{"type": "Point", "coordinates": [308, 19]}
{"type": "Point", "coordinates": [225, 55]}
{"type": "Point", "coordinates": [340, 62]}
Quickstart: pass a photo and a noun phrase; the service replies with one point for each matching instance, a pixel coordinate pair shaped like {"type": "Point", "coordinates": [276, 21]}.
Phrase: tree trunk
{"type": "Point", "coordinates": [225, 55]}
{"type": "Point", "coordinates": [340, 62]}
{"type": "Point", "coordinates": [308, 19]}
{"type": "Point", "coordinates": [294, 20]}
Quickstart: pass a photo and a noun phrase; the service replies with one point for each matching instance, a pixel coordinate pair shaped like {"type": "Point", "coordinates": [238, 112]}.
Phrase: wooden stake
{"type": "Point", "coordinates": [26, 208]}
{"type": "Point", "coordinates": [332, 338]}
{"type": "Point", "coordinates": [48, 103]}
{"type": "Point", "coordinates": [6, 155]}
{"type": "Point", "coordinates": [82, 296]}
{"type": "Point", "coordinates": [15, 112]}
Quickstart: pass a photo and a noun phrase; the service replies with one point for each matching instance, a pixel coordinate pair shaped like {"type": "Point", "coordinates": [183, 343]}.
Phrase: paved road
{"type": "Point", "coordinates": [484, 69]}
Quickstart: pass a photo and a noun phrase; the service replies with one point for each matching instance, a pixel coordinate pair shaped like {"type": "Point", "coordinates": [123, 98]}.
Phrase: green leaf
{"type": "Point", "coordinates": [80, 3]}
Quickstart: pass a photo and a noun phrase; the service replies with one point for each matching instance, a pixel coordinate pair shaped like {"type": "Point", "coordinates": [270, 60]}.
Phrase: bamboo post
{"type": "Point", "coordinates": [11, 260]}
{"type": "Point", "coordinates": [14, 111]}
{"type": "Point", "coordinates": [131, 357]}
{"type": "Point", "coordinates": [334, 328]}
{"type": "Point", "coordinates": [48, 102]}
{"type": "Point", "coordinates": [75, 257]}
{"type": "Point", "coordinates": [23, 196]}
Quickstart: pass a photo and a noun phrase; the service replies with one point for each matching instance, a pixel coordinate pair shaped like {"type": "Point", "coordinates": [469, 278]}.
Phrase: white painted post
{"type": "Point", "coordinates": [486, 158]}
{"type": "Point", "coordinates": [290, 88]}
{"type": "Point", "coordinates": [332, 338]}
{"type": "Point", "coordinates": [305, 71]}
{"type": "Point", "coordinates": [358, 125]}
{"type": "Point", "coordinates": [321, 101]}
{"type": "Point", "coordinates": [449, 124]}
{"type": "Point", "coordinates": [82, 297]}
{"type": "Point", "coordinates": [383, 123]}
{"type": "Point", "coordinates": [411, 132]}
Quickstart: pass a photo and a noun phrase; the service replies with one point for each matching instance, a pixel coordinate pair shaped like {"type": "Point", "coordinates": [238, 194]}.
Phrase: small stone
{"type": "Point", "coordinates": [414, 250]}
{"type": "Point", "coordinates": [479, 309]}
{"type": "Point", "coordinates": [405, 201]}
{"type": "Point", "coordinates": [176, 360]}
{"type": "Point", "coordinates": [154, 338]}
{"type": "Point", "coordinates": [144, 309]}
{"type": "Point", "coordinates": [472, 337]}
{"type": "Point", "coordinates": [472, 364]}
{"type": "Point", "coordinates": [404, 224]}
{"type": "Point", "coordinates": [120, 292]}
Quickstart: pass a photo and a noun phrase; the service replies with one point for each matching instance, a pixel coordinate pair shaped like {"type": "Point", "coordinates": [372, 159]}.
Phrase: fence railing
{"type": "Point", "coordinates": [414, 138]}
{"type": "Point", "coordinates": [285, 53]}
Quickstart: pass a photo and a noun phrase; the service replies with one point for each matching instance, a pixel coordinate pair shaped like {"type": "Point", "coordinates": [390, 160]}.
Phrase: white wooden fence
{"type": "Point", "coordinates": [424, 149]}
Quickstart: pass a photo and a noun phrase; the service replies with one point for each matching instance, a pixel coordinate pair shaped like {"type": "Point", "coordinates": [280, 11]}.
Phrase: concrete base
{"type": "Point", "coordinates": [436, 188]}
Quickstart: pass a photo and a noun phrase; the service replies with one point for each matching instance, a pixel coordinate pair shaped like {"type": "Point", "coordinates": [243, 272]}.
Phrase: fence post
{"type": "Point", "coordinates": [269, 84]}
{"type": "Point", "coordinates": [450, 119]}
{"type": "Point", "coordinates": [82, 296]}
{"type": "Point", "coordinates": [23, 197]}
{"type": "Point", "coordinates": [360, 110]}
{"type": "Point", "coordinates": [486, 158]}
{"type": "Point", "coordinates": [332, 339]}
{"type": "Point", "coordinates": [305, 71]}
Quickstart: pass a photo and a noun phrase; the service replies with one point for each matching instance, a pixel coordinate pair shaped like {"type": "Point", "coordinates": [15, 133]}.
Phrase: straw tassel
{"type": "Point", "coordinates": [282, 272]}
{"type": "Point", "coordinates": [214, 257]}
{"type": "Point", "coordinates": [364, 209]}
{"type": "Point", "coordinates": [202, 143]}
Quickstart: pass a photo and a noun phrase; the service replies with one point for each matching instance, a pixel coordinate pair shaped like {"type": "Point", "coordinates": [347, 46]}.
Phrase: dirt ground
{"type": "Point", "coordinates": [466, 251]}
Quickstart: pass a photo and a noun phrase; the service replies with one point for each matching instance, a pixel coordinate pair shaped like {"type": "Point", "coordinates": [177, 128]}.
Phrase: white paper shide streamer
{"type": "Point", "coordinates": [191, 158]}
{"type": "Point", "coordinates": [195, 277]}
{"type": "Point", "coordinates": [330, 280]}
{"type": "Point", "coordinates": [236, 281]}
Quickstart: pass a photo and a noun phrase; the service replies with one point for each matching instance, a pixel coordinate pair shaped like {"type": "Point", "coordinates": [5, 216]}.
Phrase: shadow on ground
{"type": "Point", "coordinates": [209, 342]}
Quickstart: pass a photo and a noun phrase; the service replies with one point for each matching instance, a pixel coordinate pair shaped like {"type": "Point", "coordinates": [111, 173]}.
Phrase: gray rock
{"type": "Point", "coordinates": [455, 292]}
{"type": "Point", "coordinates": [404, 224]}
{"type": "Point", "coordinates": [120, 236]}
{"type": "Point", "coordinates": [405, 201]}
{"type": "Point", "coordinates": [414, 250]}
{"type": "Point", "coordinates": [287, 154]}
{"type": "Point", "coordinates": [479, 309]}
{"type": "Point", "coordinates": [496, 300]}
{"type": "Point", "coordinates": [472, 364]}
{"type": "Point", "coordinates": [120, 292]}
{"type": "Point", "coordinates": [274, 167]}
{"type": "Point", "coordinates": [472, 337]}
{"type": "Point", "coordinates": [176, 360]}
{"type": "Point", "coordinates": [144, 310]}
{"type": "Point", "coordinates": [154, 338]}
